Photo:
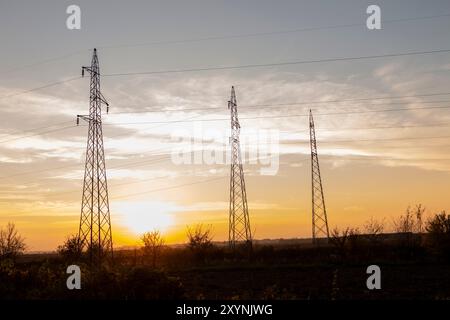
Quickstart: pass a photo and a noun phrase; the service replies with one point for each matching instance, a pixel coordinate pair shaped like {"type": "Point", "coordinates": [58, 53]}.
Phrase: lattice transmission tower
{"type": "Point", "coordinates": [319, 211]}
{"type": "Point", "coordinates": [95, 224]}
{"type": "Point", "coordinates": [239, 221]}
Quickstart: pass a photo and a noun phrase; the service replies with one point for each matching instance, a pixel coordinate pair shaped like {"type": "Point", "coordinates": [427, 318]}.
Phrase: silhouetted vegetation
{"type": "Point", "coordinates": [438, 228]}
{"type": "Point", "coordinates": [200, 241]}
{"type": "Point", "coordinates": [414, 265]}
{"type": "Point", "coordinates": [71, 249]}
{"type": "Point", "coordinates": [11, 243]}
{"type": "Point", "coordinates": [410, 221]}
{"type": "Point", "coordinates": [153, 244]}
{"type": "Point", "coordinates": [373, 229]}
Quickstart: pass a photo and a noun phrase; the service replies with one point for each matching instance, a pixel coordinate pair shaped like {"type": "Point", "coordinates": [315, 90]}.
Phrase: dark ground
{"type": "Point", "coordinates": [399, 281]}
{"type": "Point", "coordinates": [409, 270]}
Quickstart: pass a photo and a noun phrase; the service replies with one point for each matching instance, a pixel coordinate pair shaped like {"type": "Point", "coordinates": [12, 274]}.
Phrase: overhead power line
{"type": "Point", "coordinates": [32, 172]}
{"type": "Point", "coordinates": [220, 37]}
{"type": "Point", "coordinates": [264, 106]}
{"type": "Point", "coordinates": [144, 192]}
{"type": "Point", "coordinates": [216, 108]}
{"type": "Point", "coordinates": [38, 134]}
{"type": "Point", "coordinates": [225, 119]}
{"type": "Point", "coordinates": [369, 158]}
{"type": "Point", "coordinates": [277, 64]}
{"type": "Point", "coordinates": [268, 106]}
{"type": "Point", "coordinates": [248, 66]}
{"type": "Point", "coordinates": [258, 106]}
{"type": "Point", "coordinates": [160, 151]}
{"type": "Point", "coordinates": [41, 62]}
{"type": "Point", "coordinates": [49, 85]}
{"type": "Point", "coordinates": [39, 128]}
{"type": "Point", "coordinates": [277, 116]}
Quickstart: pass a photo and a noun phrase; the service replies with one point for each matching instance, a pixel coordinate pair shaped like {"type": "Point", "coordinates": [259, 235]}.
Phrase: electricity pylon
{"type": "Point", "coordinates": [239, 222]}
{"type": "Point", "coordinates": [95, 224]}
{"type": "Point", "coordinates": [319, 212]}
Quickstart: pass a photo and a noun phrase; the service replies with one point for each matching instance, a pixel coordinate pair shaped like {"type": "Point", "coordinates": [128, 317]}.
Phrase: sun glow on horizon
{"type": "Point", "coordinates": [143, 216]}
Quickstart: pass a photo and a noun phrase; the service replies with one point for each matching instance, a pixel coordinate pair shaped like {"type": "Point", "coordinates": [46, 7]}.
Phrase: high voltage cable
{"type": "Point", "coordinates": [139, 154]}
{"type": "Point", "coordinates": [258, 34]}
{"type": "Point", "coordinates": [268, 105]}
{"type": "Point", "coordinates": [49, 85]}
{"type": "Point", "coordinates": [78, 164]}
{"type": "Point", "coordinates": [287, 143]}
{"type": "Point", "coordinates": [274, 64]}
{"type": "Point", "coordinates": [63, 128]}
{"type": "Point", "coordinates": [157, 151]}
{"type": "Point", "coordinates": [162, 189]}
{"type": "Point", "coordinates": [276, 116]}
{"type": "Point", "coordinates": [114, 185]}
{"type": "Point", "coordinates": [384, 139]}
{"type": "Point", "coordinates": [169, 188]}
{"type": "Point", "coordinates": [134, 164]}
{"type": "Point", "coordinates": [370, 98]}
{"type": "Point", "coordinates": [400, 54]}
{"type": "Point", "coordinates": [38, 128]}
{"type": "Point", "coordinates": [38, 134]}
{"type": "Point", "coordinates": [199, 109]}
{"type": "Point", "coordinates": [126, 183]}
{"type": "Point", "coordinates": [145, 192]}
{"type": "Point", "coordinates": [297, 141]}
{"type": "Point", "coordinates": [243, 118]}
{"type": "Point", "coordinates": [223, 37]}
{"type": "Point", "coordinates": [334, 129]}
{"type": "Point", "coordinates": [291, 104]}
{"type": "Point", "coordinates": [219, 178]}
{"type": "Point", "coordinates": [45, 61]}
{"type": "Point", "coordinates": [369, 158]}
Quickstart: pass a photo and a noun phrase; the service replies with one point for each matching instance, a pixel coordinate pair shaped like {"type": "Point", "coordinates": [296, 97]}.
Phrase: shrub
{"type": "Point", "coordinates": [438, 228]}
{"type": "Point", "coordinates": [200, 241]}
{"type": "Point", "coordinates": [71, 249]}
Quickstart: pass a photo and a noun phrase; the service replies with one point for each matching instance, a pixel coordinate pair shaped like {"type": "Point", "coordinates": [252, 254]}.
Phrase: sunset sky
{"type": "Point", "coordinates": [375, 159]}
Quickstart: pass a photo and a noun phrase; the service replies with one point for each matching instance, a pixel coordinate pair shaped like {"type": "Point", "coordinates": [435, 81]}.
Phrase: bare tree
{"type": "Point", "coordinates": [405, 222]}
{"type": "Point", "coordinates": [11, 243]}
{"type": "Point", "coordinates": [373, 226]}
{"type": "Point", "coordinates": [153, 244]}
{"type": "Point", "coordinates": [339, 239]}
{"type": "Point", "coordinates": [347, 238]}
{"type": "Point", "coordinates": [353, 237]}
{"type": "Point", "coordinates": [411, 220]}
{"type": "Point", "coordinates": [419, 212]}
{"type": "Point", "coordinates": [373, 229]}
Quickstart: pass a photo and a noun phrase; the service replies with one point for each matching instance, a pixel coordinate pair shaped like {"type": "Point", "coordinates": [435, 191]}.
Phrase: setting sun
{"type": "Point", "coordinates": [143, 216]}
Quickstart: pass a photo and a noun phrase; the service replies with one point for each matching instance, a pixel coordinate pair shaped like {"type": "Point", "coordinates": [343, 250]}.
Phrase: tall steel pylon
{"type": "Point", "coordinates": [239, 221]}
{"type": "Point", "coordinates": [95, 224]}
{"type": "Point", "coordinates": [319, 212]}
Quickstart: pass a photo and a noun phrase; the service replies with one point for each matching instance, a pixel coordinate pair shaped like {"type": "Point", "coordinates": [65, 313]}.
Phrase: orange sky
{"type": "Point", "coordinates": [382, 125]}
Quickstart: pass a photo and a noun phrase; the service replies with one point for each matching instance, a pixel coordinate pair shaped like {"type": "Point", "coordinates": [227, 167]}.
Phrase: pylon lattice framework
{"type": "Point", "coordinates": [319, 212]}
{"type": "Point", "coordinates": [239, 221]}
{"type": "Point", "coordinates": [95, 224]}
